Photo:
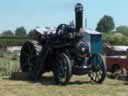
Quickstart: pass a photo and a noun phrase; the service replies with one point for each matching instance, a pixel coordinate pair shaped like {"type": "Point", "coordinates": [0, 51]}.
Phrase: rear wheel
{"type": "Point", "coordinates": [62, 70]}
{"type": "Point", "coordinates": [98, 68]}
{"type": "Point", "coordinates": [29, 55]}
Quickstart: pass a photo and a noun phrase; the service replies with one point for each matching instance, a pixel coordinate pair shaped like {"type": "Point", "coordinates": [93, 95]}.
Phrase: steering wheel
{"type": "Point", "coordinates": [61, 29]}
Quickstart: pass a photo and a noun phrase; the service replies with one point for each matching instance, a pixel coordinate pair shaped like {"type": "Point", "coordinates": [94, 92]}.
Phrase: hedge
{"type": "Point", "coordinates": [12, 41]}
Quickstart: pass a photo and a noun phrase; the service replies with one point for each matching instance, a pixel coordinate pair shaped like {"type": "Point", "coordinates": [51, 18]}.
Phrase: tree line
{"type": "Point", "coordinates": [111, 34]}
{"type": "Point", "coordinates": [19, 32]}
{"type": "Point", "coordinates": [16, 38]}
{"type": "Point", "coordinates": [106, 25]}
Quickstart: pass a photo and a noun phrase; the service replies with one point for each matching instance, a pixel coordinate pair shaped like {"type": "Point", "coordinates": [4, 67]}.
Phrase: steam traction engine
{"type": "Point", "coordinates": [63, 52]}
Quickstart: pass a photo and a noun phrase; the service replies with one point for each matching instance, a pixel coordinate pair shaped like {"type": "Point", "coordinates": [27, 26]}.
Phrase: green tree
{"type": "Point", "coordinates": [106, 24]}
{"type": "Point", "coordinates": [122, 29]}
{"type": "Point", "coordinates": [20, 31]}
{"type": "Point", "coordinates": [7, 33]}
{"type": "Point", "coordinates": [115, 39]}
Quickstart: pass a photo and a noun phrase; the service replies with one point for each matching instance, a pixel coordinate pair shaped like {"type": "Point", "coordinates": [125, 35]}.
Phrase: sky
{"type": "Point", "coordinates": [41, 13]}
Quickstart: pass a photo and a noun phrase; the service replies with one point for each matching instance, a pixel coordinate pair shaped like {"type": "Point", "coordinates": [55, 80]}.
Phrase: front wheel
{"type": "Point", "coordinates": [62, 69]}
{"type": "Point", "coordinates": [98, 68]}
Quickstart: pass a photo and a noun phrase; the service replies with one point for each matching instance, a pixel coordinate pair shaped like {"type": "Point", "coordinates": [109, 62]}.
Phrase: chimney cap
{"type": "Point", "coordinates": [78, 7]}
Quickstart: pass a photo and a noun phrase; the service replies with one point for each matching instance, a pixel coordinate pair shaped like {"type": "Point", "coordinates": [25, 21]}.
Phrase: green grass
{"type": "Point", "coordinates": [8, 63]}
{"type": "Point", "coordinates": [78, 86]}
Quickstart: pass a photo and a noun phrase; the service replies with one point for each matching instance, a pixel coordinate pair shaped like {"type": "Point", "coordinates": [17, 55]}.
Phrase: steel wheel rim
{"type": "Point", "coordinates": [97, 69]}
{"type": "Point", "coordinates": [62, 69]}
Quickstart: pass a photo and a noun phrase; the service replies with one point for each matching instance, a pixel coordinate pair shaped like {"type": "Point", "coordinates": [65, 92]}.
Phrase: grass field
{"type": "Point", "coordinates": [78, 86]}
{"type": "Point", "coordinates": [8, 63]}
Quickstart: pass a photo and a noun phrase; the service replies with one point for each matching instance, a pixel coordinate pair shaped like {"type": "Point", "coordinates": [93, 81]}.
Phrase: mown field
{"type": "Point", "coordinates": [78, 86]}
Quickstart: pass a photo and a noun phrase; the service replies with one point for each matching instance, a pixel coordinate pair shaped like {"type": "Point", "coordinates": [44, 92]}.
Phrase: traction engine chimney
{"type": "Point", "coordinates": [78, 16]}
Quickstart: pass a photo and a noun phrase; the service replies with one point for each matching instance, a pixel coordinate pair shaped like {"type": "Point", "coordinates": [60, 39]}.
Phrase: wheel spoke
{"type": "Point", "coordinates": [99, 72]}
{"type": "Point", "coordinates": [97, 75]}
{"type": "Point", "coordinates": [62, 73]}
{"type": "Point", "coordinates": [61, 70]}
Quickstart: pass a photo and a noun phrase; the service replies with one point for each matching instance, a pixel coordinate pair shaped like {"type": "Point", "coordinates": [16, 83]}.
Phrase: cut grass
{"type": "Point", "coordinates": [78, 86]}
{"type": "Point", "coordinates": [8, 65]}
